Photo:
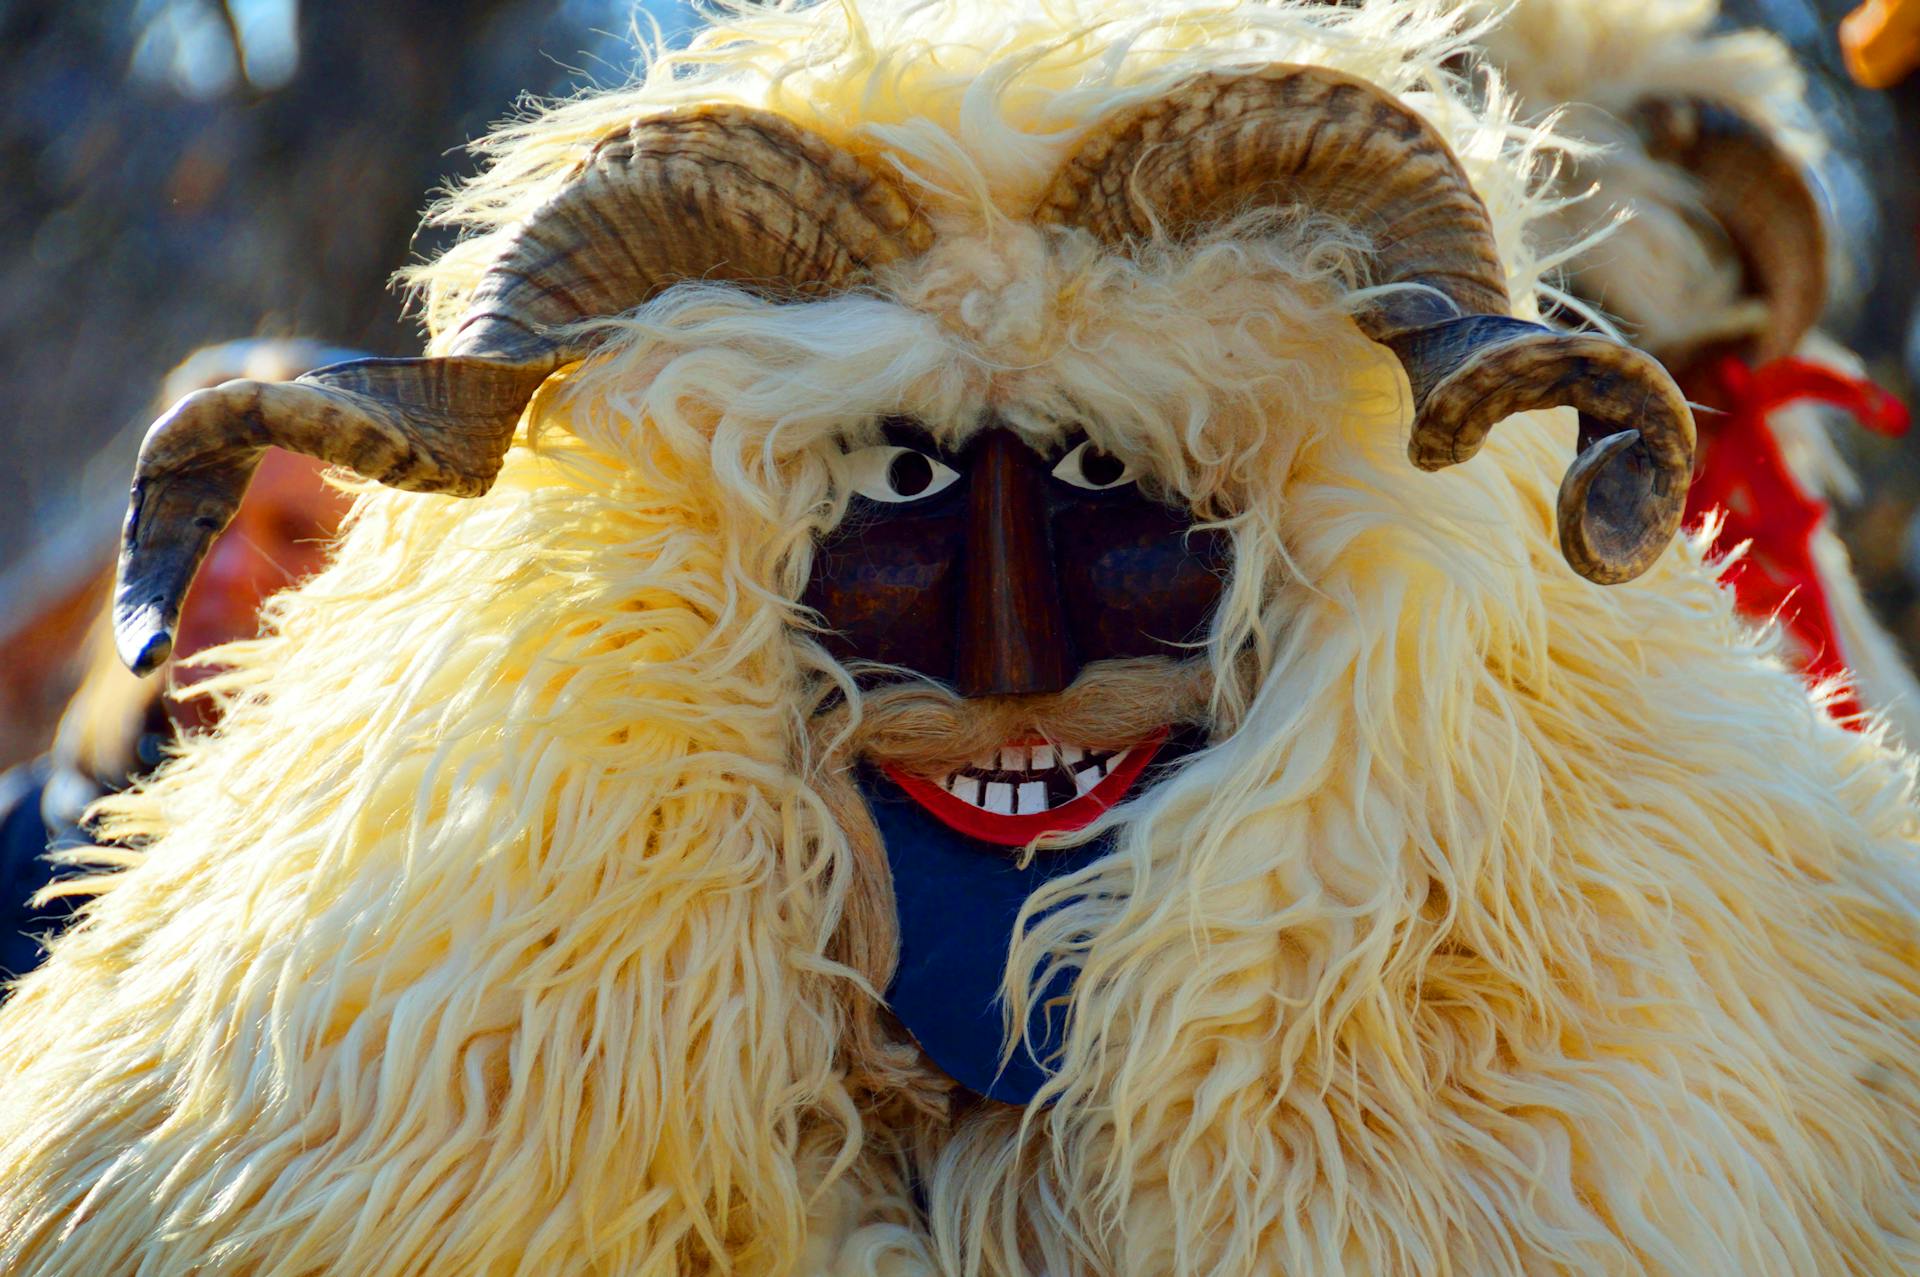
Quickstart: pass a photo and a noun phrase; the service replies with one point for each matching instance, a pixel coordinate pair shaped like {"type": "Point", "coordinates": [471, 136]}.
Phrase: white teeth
{"type": "Point", "coordinates": [1026, 780]}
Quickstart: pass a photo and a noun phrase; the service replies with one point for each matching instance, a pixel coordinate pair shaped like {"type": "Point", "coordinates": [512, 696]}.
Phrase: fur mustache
{"type": "Point", "coordinates": [923, 727]}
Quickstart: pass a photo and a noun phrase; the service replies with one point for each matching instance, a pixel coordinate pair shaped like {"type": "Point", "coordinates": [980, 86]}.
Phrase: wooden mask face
{"type": "Point", "coordinates": [1002, 570]}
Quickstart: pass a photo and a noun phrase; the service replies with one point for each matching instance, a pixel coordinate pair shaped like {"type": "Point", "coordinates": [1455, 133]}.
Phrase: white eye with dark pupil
{"type": "Point", "coordinates": [892, 474]}
{"type": "Point", "coordinates": [1086, 466]}
{"type": "Point", "coordinates": [1101, 468]}
{"type": "Point", "coordinates": [910, 473]}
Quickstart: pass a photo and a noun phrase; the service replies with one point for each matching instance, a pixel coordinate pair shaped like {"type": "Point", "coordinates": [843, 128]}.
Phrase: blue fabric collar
{"type": "Point", "coordinates": [956, 900]}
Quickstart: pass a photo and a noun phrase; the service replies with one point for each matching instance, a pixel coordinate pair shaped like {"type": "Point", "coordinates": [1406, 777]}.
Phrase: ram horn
{"type": "Point", "coordinates": [1762, 197]}
{"type": "Point", "coordinates": [1335, 145]}
{"type": "Point", "coordinates": [721, 193]}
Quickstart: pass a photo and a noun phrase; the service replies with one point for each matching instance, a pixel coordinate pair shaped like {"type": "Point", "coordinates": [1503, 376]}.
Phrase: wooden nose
{"type": "Point", "coordinates": [1013, 635]}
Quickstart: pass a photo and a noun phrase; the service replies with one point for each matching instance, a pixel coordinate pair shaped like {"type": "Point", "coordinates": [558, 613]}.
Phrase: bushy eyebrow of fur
{"type": "Point", "coordinates": [909, 432]}
{"type": "Point", "coordinates": [1206, 363]}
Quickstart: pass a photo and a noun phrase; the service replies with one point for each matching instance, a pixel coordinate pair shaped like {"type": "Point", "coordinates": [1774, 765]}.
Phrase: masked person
{"type": "Point", "coordinates": [1700, 145]}
{"type": "Point", "coordinates": [992, 640]}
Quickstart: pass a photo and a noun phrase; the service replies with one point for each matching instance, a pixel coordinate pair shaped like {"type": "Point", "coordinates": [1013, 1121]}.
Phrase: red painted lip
{"type": "Point", "coordinates": [1018, 831]}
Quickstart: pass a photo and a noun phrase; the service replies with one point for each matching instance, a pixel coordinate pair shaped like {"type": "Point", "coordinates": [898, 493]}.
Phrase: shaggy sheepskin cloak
{"type": "Point", "coordinates": [520, 918]}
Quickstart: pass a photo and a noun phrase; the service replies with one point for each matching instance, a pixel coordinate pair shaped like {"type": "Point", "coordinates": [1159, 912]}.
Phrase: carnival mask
{"type": "Point", "coordinates": [1000, 571]}
{"type": "Point", "coordinates": [1003, 571]}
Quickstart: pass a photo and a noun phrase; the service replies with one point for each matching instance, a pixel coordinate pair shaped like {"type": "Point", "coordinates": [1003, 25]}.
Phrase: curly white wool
{"type": "Point", "coordinates": [1513, 925]}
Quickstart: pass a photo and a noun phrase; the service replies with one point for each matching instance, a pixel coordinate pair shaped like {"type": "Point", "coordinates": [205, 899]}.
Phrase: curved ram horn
{"type": "Point", "coordinates": [1337, 145]}
{"type": "Point", "coordinates": [725, 193]}
{"type": "Point", "coordinates": [1762, 197]}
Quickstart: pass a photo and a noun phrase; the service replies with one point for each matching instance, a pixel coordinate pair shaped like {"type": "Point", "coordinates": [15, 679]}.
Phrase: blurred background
{"type": "Point", "coordinates": [181, 172]}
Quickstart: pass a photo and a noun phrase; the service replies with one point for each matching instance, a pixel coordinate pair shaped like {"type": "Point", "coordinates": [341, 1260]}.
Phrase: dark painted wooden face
{"type": "Point", "coordinates": [1003, 571]}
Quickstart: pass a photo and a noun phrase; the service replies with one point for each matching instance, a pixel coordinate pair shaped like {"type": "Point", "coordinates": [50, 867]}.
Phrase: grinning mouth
{"type": "Point", "coordinates": [1022, 790]}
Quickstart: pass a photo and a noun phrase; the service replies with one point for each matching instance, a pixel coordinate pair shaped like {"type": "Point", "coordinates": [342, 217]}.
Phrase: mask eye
{"type": "Point", "coordinates": [894, 475]}
{"type": "Point", "coordinates": [1088, 467]}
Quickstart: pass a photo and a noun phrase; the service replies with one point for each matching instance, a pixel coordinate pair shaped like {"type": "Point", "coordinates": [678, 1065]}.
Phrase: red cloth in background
{"type": "Point", "coordinates": [1741, 470]}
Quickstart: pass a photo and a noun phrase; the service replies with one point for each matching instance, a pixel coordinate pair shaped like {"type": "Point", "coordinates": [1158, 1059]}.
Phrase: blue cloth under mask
{"type": "Point", "coordinates": [956, 899]}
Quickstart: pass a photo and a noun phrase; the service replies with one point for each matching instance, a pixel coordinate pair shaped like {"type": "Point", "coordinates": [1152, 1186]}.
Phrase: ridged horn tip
{"type": "Point", "coordinates": [1614, 520]}
{"type": "Point", "coordinates": [1624, 495]}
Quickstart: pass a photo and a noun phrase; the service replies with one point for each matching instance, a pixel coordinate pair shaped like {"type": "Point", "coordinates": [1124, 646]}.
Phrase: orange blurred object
{"type": "Point", "coordinates": [1881, 41]}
